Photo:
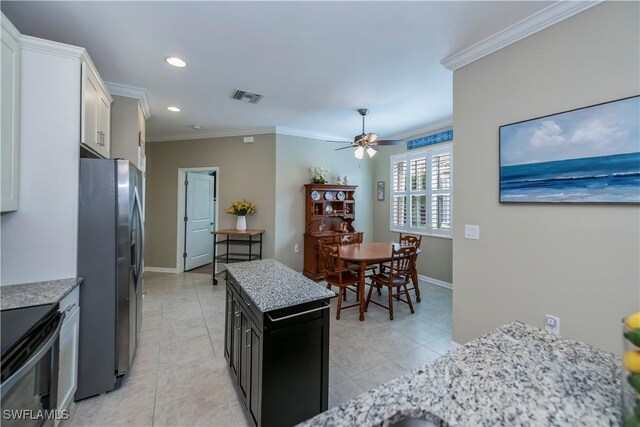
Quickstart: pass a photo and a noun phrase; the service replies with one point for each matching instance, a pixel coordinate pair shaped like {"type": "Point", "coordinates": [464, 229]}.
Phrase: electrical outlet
{"type": "Point", "coordinates": [296, 248]}
{"type": "Point", "coordinates": [552, 324]}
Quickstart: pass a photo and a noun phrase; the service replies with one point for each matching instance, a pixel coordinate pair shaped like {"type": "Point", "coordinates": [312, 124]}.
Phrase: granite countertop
{"type": "Point", "coordinates": [36, 293]}
{"type": "Point", "coordinates": [272, 285]}
{"type": "Point", "coordinates": [517, 375]}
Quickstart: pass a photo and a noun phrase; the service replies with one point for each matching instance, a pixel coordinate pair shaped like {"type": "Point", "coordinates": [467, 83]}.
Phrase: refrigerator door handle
{"type": "Point", "coordinates": [139, 262]}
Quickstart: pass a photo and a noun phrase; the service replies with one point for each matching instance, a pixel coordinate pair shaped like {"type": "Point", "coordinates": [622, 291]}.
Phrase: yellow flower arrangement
{"type": "Point", "coordinates": [241, 208]}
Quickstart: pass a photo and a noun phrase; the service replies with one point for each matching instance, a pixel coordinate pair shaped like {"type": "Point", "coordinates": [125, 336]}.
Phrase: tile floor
{"type": "Point", "coordinates": [180, 376]}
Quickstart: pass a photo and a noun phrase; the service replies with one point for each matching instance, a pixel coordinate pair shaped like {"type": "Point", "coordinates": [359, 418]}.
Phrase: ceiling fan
{"type": "Point", "coordinates": [367, 141]}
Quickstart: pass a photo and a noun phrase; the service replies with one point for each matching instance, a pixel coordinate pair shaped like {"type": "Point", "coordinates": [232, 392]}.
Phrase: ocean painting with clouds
{"type": "Point", "coordinates": [590, 155]}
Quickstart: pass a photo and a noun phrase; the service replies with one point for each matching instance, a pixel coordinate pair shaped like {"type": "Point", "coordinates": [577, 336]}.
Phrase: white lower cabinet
{"type": "Point", "coordinates": [68, 355]}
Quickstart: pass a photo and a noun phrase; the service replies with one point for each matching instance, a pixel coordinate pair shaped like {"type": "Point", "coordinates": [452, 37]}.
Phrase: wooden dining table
{"type": "Point", "coordinates": [365, 254]}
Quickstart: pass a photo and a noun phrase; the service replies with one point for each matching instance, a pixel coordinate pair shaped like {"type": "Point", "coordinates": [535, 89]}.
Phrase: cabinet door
{"type": "Point", "coordinates": [245, 358]}
{"type": "Point", "coordinates": [104, 124]}
{"type": "Point", "coordinates": [255, 392]}
{"type": "Point", "coordinates": [235, 356]}
{"type": "Point", "coordinates": [10, 120]}
{"type": "Point", "coordinates": [68, 359]}
{"type": "Point", "coordinates": [228, 332]}
{"type": "Point", "coordinates": [89, 122]}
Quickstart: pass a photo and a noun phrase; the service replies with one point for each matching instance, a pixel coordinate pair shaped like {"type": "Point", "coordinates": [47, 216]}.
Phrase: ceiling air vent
{"type": "Point", "coordinates": [241, 95]}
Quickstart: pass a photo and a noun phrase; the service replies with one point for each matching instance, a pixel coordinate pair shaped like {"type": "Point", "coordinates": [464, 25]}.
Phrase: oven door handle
{"type": "Point", "coordinates": [24, 369]}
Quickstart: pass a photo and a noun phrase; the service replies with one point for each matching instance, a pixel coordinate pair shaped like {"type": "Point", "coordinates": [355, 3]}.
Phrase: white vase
{"type": "Point", "coordinates": [241, 223]}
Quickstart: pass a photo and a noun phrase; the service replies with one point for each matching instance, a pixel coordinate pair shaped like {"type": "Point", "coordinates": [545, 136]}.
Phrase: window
{"type": "Point", "coordinates": [421, 191]}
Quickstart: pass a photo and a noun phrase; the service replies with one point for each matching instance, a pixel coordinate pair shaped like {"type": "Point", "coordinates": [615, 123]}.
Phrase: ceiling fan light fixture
{"type": "Point", "coordinates": [371, 152]}
{"type": "Point", "coordinates": [359, 153]}
{"type": "Point", "coordinates": [372, 137]}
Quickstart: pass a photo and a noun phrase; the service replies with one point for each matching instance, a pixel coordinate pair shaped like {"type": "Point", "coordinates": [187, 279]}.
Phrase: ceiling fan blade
{"type": "Point", "coordinates": [344, 148]}
{"type": "Point", "coordinates": [390, 141]}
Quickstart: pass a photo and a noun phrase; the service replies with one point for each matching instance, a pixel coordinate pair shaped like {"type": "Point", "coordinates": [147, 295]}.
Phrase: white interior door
{"type": "Point", "coordinates": [199, 216]}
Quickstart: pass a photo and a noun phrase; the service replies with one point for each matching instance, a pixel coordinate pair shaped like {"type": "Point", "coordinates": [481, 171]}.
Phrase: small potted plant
{"type": "Point", "coordinates": [241, 208]}
{"type": "Point", "coordinates": [319, 174]}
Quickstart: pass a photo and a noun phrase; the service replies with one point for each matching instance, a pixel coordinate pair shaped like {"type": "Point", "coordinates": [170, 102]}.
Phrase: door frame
{"type": "Point", "coordinates": [182, 176]}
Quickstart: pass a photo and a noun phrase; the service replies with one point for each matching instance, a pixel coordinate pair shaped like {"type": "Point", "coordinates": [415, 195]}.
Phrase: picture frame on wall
{"type": "Point", "coordinates": [588, 155]}
{"type": "Point", "coordinates": [380, 191]}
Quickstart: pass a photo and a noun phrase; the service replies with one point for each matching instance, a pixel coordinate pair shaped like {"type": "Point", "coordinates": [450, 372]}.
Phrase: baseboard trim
{"type": "Point", "coordinates": [161, 270]}
{"type": "Point", "coordinates": [436, 282]}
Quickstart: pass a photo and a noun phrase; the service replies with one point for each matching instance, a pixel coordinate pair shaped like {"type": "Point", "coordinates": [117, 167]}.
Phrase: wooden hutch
{"type": "Point", "coordinates": [330, 212]}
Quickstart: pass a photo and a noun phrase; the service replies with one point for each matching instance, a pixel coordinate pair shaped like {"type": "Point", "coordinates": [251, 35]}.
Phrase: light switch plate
{"type": "Point", "coordinates": [248, 140]}
{"type": "Point", "coordinates": [472, 232]}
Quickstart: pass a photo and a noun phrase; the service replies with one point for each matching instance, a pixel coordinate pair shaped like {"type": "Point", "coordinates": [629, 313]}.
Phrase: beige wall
{"type": "Point", "coordinates": [435, 261]}
{"type": "Point", "coordinates": [295, 155]}
{"type": "Point", "coordinates": [577, 262]}
{"type": "Point", "coordinates": [246, 171]}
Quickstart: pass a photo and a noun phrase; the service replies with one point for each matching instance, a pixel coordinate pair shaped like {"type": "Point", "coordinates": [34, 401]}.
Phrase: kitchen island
{"type": "Point", "coordinates": [517, 375]}
{"type": "Point", "coordinates": [277, 341]}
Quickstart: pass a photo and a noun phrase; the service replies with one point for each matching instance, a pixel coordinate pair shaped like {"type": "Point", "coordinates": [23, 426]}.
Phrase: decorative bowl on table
{"type": "Point", "coordinates": [631, 371]}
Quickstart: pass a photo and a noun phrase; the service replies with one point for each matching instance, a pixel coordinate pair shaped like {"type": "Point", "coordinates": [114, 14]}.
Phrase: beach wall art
{"type": "Point", "coordinates": [588, 155]}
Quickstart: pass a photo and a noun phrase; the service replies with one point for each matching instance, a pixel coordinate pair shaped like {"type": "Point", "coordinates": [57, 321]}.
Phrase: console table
{"type": "Point", "coordinates": [234, 239]}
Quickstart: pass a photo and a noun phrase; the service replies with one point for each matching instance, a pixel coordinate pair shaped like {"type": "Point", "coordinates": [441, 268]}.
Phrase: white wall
{"type": "Point", "coordinates": [39, 241]}
{"type": "Point", "coordinates": [294, 157]}
{"type": "Point", "coordinates": [578, 262]}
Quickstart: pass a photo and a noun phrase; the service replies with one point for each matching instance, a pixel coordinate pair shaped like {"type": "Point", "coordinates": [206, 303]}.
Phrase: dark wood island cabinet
{"type": "Point", "coordinates": [277, 342]}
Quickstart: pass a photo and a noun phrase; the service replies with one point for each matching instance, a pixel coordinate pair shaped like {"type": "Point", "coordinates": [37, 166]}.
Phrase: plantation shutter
{"type": "Point", "coordinates": [421, 188]}
{"type": "Point", "coordinates": [419, 199]}
{"type": "Point", "coordinates": [399, 199]}
{"type": "Point", "coordinates": [441, 191]}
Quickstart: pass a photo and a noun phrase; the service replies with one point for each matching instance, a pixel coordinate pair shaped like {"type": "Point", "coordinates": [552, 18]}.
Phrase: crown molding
{"type": "Point", "coordinates": [309, 134]}
{"type": "Point", "coordinates": [131, 92]}
{"type": "Point", "coordinates": [420, 132]}
{"type": "Point", "coordinates": [54, 48]}
{"type": "Point", "coordinates": [247, 132]}
{"type": "Point", "coordinates": [8, 26]}
{"type": "Point", "coordinates": [216, 134]}
{"type": "Point", "coordinates": [540, 20]}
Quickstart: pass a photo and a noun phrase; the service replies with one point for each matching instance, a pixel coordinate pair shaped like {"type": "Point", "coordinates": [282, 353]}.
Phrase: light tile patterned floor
{"type": "Point", "coordinates": [180, 376]}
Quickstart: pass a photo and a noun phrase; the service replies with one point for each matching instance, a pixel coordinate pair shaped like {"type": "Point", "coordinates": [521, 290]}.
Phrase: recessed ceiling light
{"type": "Point", "coordinates": [176, 62]}
{"type": "Point", "coordinates": [174, 109]}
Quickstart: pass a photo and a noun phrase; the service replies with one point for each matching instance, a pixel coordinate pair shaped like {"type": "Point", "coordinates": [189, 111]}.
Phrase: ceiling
{"type": "Point", "coordinates": [315, 63]}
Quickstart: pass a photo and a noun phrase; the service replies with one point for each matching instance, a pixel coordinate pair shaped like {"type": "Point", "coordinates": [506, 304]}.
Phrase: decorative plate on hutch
{"type": "Point", "coordinates": [340, 195]}
{"type": "Point", "coordinates": [328, 209]}
{"type": "Point", "coordinates": [328, 195]}
{"type": "Point", "coordinates": [315, 195]}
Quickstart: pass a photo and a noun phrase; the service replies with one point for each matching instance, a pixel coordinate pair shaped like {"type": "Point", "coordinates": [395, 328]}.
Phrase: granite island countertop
{"type": "Point", "coordinates": [517, 375]}
{"type": "Point", "coordinates": [272, 285]}
{"type": "Point", "coordinates": [36, 293]}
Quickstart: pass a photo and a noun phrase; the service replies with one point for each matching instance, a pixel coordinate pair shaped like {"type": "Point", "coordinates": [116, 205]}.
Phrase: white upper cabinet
{"type": "Point", "coordinates": [10, 116]}
{"type": "Point", "coordinates": [128, 124]}
{"type": "Point", "coordinates": [95, 126]}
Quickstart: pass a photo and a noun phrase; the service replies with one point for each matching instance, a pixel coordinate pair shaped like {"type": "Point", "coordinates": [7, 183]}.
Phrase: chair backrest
{"type": "Point", "coordinates": [402, 262]}
{"type": "Point", "coordinates": [410, 240]}
{"type": "Point", "coordinates": [350, 239]}
{"type": "Point", "coordinates": [330, 264]}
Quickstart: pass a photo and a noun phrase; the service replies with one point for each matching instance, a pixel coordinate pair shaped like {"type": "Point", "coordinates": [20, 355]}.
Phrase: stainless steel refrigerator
{"type": "Point", "coordinates": [110, 259]}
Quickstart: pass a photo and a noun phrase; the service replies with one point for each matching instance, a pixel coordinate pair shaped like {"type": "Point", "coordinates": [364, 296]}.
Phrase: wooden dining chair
{"type": "Point", "coordinates": [416, 241]}
{"type": "Point", "coordinates": [397, 276]}
{"type": "Point", "coordinates": [352, 239]}
{"type": "Point", "coordinates": [335, 274]}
